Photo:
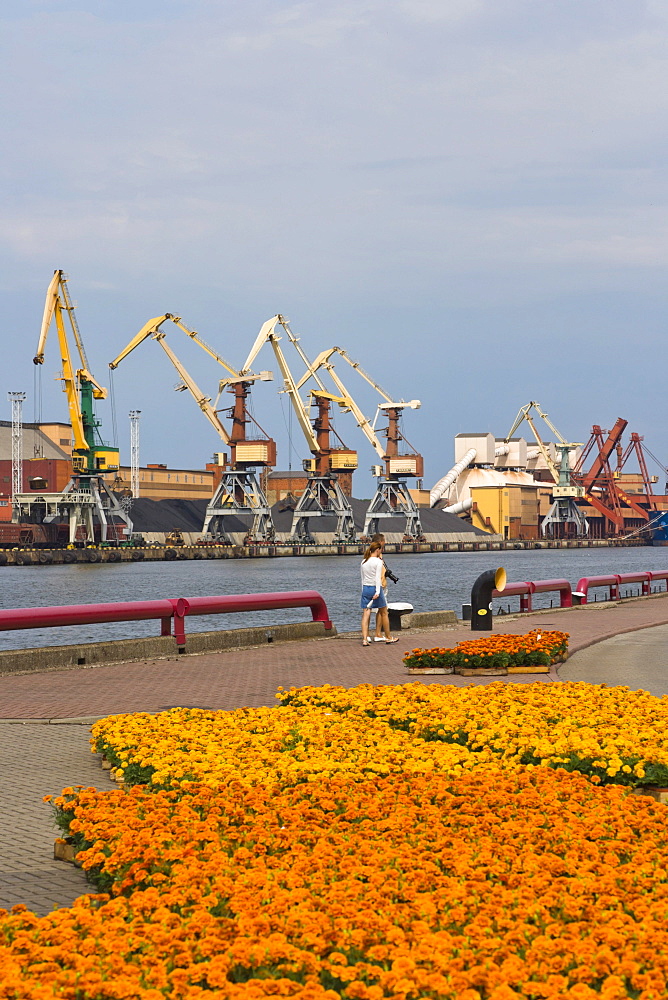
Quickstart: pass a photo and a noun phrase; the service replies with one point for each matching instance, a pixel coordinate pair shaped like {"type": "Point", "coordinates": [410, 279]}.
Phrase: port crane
{"type": "Point", "coordinates": [566, 491]}
{"type": "Point", "coordinates": [86, 501]}
{"type": "Point", "coordinates": [322, 496]}
{"type": "Point", "coordinates": [238, 492]}
{"type": "Point", "coordinates": [600, 482]}
{"type": "Point", "coordinates": [392, 498]}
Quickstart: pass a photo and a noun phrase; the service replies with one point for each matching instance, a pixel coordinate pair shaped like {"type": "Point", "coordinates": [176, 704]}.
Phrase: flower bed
{"type": "Point", "coordinates": [325, 731]}
{"type": "Point", "coordinates": [535, 648]}
{"type": "Point", "coordinates": [401, 841]}
{"type": "Point", "coordinates": [489, 886]}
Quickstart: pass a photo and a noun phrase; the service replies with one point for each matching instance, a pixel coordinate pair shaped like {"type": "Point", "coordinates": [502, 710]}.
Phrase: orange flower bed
{"type": "Point", "coordinates": [534, 648]}
{"type": "Point", "coordinates": [489, 886]}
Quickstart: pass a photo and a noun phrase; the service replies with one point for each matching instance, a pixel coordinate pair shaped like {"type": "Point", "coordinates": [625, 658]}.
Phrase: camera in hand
{"type": "Point", "coordinates": [390, 574]}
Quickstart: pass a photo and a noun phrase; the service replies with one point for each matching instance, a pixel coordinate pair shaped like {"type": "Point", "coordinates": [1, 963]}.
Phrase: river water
{"type": "Point", "coordinates": [429, 581]}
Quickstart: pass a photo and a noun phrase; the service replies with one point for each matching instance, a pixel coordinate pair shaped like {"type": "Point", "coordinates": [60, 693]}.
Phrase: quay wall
{"type": "Point", "coordinates": [47, 557]}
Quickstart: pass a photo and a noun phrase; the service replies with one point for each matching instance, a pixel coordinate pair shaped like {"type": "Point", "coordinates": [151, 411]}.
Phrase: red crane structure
{"type": "Point", "coordinates": [602, 488]}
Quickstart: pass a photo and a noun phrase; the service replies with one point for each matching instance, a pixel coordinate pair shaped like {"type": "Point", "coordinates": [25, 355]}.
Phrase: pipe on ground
{"type": "Point", "coordinates": [481, 598]}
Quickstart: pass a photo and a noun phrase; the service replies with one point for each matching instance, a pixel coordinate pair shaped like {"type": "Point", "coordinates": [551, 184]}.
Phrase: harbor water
{"type": "Point", "coordinates": [429, 581]}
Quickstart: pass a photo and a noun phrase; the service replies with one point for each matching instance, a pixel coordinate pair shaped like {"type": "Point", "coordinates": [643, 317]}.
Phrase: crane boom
{"type": "Point", "coordinates": [322, 361]}
{"type": "Point", "coordinates": [325, 355]}
{"type": "Point", "coordinates": [152, 329]}
{"type": "Point", "coordinates": [69, 382]}
{"type": "Point", "coordinates": [204, 402]}
{"type": "Point", "coordinates": [268, 333]}
{"type": "Point", "coordinates": [525, 414]}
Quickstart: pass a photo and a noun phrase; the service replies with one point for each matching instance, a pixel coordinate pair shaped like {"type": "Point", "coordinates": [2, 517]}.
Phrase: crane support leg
{"type": "Point", "coordinates": [564, 511]}
{"type": "Point", "coordinates": [239, 494]}
{"type": "Point", "coordinates": [84, 501]}
{"type": "Point", "coordinates": [392, 499]}
{"type": "Point", "coordinates": [323, 497]}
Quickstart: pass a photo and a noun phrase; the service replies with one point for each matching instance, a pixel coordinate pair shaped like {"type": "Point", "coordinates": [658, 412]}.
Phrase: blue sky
{"type": "Point", "coordinates": [467, 195]}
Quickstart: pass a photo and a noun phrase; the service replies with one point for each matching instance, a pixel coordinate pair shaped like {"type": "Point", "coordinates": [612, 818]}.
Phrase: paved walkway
{"type": "Point", "coordinates": [638, 660]}
{"type": "Point", "coordinates": [39, 756]}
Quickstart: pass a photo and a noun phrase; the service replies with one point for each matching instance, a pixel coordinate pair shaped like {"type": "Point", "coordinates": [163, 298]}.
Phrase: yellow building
{"type": "Point", "coordinates": [509, 510]}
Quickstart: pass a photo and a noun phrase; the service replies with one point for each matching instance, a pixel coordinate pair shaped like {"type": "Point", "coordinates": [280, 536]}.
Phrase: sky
{"type": "Point", "coordinates": [468, 196]}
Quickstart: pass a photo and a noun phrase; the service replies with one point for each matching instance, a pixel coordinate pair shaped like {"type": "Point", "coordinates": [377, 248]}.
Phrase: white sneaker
{"type": "Point", "coordinates": [379, 638]}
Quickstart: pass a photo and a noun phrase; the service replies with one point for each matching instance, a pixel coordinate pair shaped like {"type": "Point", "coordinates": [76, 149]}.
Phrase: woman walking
{"type": "Point", "coordinates": [372, 587]}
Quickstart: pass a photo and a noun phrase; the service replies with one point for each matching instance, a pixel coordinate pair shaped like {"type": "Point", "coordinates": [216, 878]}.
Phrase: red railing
{"type": "Point", "coordinates": [615, 581]}
{"type": "Point", "coordinates": [165, 609]}
{"type": "Point", "coordinates": [526, 590]}
{"type": "Point", "coordinates": [521, 590]}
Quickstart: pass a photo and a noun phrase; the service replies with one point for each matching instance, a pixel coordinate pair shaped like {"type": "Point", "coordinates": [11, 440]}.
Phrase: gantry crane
{"type": "Point", "coordinates": [238, 492]}
{"type": "Point", "coordinates": [392, 497]}
{"type": "Point", "coordinates": [86, 500]}
{"type": "Point", "coordinates": [564, 509]}
{"type": "Point", "coordinates": [322, 496]}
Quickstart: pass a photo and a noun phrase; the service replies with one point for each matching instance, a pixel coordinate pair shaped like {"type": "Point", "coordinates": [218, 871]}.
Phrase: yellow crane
{"type": "Point", "coordinates": [86, 500]}
{"type": "Point", "coordinates": [238, 492]}
{"type": "Point", "coordinates": [323, 495]}
{"type": "Point", "coordinates": [392, 497]}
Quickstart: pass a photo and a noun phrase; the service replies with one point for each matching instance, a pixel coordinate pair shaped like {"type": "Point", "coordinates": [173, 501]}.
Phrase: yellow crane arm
{"type": "Point", "coordinates": [198, 340]}
{"type": "Point", "coordinates": [365, 375]}
{"type": "Point", "coordinates": [525, 414]}
{"type": "Point", "coordinates": [152, 329]}
{"type": "Point", "coordinates": [204, 402]}
{"type": "Point", "coordinates": [52, 298]}
{"type": "Point", "coordinates": [268, 333]}
{"type": "Point", "coordinates": [322, 361]}
{"type": "Point", "coordinates": [544, 416]}
{"type": "Point", "coordinates": [148, 330]}
{"type": "Point", "coordinates": [69, 379]}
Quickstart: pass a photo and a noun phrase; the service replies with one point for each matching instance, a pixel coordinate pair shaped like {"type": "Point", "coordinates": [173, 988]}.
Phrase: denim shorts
{"type": "Point", "coordinates": [367, 595]}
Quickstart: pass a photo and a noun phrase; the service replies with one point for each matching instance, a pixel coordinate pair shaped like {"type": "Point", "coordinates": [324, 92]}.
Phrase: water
{"type": "Point", "coordinates": [429, 581]}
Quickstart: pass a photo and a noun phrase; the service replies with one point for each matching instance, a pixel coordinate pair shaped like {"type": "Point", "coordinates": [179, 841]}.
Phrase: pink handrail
{"type": "Point", "coordinates": [523, 590]}
{"type": "Point", "coordinates": [586, 582]}
{"type": "Point", "coordinates": [164, 609]}
{"type": "Point", "coordinates": [661, 574]}
{"type": "Point", "coordinates": [527, 589]}
{"type": "Point", "coordinates": [644, 578]}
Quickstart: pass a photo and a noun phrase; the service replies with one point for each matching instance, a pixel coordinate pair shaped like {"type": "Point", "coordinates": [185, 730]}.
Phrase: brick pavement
{"type": "Point", "coordinates": [250, 676]}
{"type": "Point", "coordinates": [41, 758]}
{"type": "Point", "coordinates": [38, 760]}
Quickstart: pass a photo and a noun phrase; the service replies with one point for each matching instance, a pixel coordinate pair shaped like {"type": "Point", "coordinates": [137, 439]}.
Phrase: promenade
{"type": "Point", "coordinates": [45, 717]}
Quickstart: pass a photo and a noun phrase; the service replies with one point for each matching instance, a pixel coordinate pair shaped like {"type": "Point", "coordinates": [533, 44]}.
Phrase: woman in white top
{"type": "Point", "coordinates": [372, 587]}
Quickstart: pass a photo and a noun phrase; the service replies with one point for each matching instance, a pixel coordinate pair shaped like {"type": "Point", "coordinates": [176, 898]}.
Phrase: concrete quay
{"type": "Point", "coordinates": [36, 556]}
{"type": "Point", "coordinates": [45, 717]}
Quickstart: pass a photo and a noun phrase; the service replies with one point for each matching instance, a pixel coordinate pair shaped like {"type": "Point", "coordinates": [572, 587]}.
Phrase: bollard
{"type": "Point", "coordinates": [481, 598]}
{"type": "Point", "coordinates": [466, 612]}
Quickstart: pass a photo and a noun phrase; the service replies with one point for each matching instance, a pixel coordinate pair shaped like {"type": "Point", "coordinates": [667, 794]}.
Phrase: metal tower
{"type": "Point", "coordinates": [17, 399]}
{"type": "Point", "coordinates": [134, 452]}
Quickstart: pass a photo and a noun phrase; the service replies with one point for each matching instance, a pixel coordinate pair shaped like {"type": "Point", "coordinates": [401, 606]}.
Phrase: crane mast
{"type": "Point", "coordinates": [86, 501]}
{"type": "Point", "coordinates": [322, 496]}
{"type": "Point", "coordinates": [238, 492]}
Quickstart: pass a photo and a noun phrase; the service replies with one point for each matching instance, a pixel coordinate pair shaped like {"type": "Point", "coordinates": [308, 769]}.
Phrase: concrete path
{"type": "Point", "coordinates": [45, 716]}
{"type": "Point", "coordinates": [638, 660]}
